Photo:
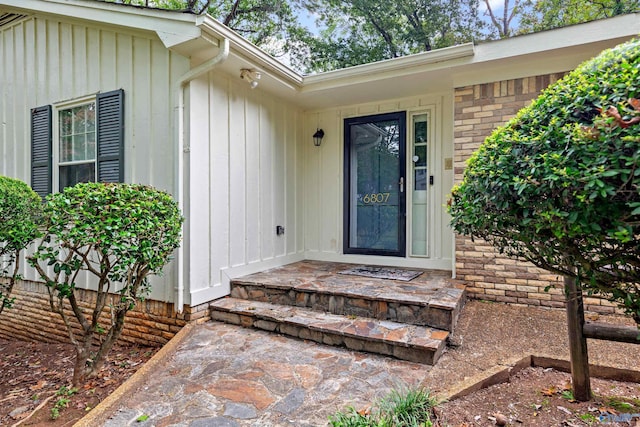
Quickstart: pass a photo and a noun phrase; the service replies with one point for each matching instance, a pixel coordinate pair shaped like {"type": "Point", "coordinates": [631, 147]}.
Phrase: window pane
{"type": "Point", "coordinates": [65, 122]}
{"type": "Point", "coordinates": [420, 128]}
{"type": "Point", "coordinates": [91, 145]}
{"type": "Point", "coordinates": [421, 153]}
{"type": "Point", "coordinates": [79, 148]}
{"type": "Point", "coordinates": [421, 180]}
{"type": "Point", "coordinates": [66, 152]}
{"type": "Point", "coordinates": [420, 197]}
{"type": "Point", "coordinates": [77, 133]}
{"type": "Point", "coordinates": [73, 174]}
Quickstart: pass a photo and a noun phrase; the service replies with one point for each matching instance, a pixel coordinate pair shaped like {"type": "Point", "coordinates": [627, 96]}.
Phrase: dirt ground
{"type": "Point", "coordinates": [35, 377]}
{"type": "Point", "coordinates": [491, 334]}
{"type": "Point", "coordinates": [542, 397]}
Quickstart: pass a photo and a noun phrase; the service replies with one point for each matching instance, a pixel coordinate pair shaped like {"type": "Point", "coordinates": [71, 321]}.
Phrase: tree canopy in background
{"type": "Point", "coordinates": [272, 25]}
{"type": "Point", "coordinates": [361, 31]}
{"type": "Point", "coordinates": [353, 32]}
{"type": "Point", "coordinates": [547, 14]}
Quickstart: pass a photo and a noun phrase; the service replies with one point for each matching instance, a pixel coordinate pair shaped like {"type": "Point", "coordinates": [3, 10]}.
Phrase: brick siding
{"type": "Point", "coordinates": [151, 323]}
{"type": "Point", "coordinates": [479, 109]}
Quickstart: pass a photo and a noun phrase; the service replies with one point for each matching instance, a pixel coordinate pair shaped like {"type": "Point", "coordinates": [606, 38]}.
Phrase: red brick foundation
{"type": "Point", "coordinates": [150, 323]}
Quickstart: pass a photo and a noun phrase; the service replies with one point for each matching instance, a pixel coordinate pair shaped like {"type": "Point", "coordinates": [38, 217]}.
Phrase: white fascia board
{"type": "Point", "coordinates": [172, 27]}
{"type": "Point", "coordinates": [398, 67]}
{"type": "Point", "coordinates": [551, 51]}
{"type": "Point", "coordinates": [253, 54]}
{"type": "Point", "coordinates": [561, 38]}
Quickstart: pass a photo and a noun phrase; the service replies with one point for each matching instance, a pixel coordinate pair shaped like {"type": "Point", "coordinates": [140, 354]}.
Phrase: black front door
{"type": "Point", "coordinates": [374, 199]}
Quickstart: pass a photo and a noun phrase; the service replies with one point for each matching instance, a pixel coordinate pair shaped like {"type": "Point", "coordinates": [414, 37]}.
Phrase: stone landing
{"type": "Point", "coordinates": [311, 300]}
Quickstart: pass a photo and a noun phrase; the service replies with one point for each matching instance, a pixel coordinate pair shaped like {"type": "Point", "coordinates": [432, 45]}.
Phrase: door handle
{"type": "Point", "coordinates": [401, 184]}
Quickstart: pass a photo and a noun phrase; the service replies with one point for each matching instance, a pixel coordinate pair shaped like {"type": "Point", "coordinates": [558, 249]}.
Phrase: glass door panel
{"type": "Point", "coordinates": [375, 185]}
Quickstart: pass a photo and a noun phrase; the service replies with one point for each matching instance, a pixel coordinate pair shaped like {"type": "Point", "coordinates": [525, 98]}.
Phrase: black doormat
{"type": "Point", "coordinates": [382, 273]}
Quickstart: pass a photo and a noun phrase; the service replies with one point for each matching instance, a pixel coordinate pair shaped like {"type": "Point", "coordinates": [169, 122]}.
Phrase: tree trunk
{"type": "Point", "coordinates": [577, 341]}
{"type": "Point", "coordinates": [80, 368]}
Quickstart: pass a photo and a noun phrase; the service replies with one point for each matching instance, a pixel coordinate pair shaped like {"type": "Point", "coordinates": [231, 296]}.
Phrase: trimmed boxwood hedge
{"type": "Point", "coordinates": [20, 209]}
{"type": "Point", "coordinates": [120, 234]}
{"type": "Point", "coordinates": [558, 185]}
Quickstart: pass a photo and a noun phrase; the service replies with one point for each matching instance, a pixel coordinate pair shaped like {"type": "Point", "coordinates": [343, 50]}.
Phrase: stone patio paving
{"type": "Point", "coordinates": [225, 375]}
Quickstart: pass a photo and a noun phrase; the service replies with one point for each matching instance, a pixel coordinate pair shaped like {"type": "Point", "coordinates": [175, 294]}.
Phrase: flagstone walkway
{"type": "Point", "coordinates": [226, 375]}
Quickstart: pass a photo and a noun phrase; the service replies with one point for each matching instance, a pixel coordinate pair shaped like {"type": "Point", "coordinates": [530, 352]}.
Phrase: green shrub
{"type": "Point", "coordinates": [400, 408]}
{"type": "Point", "coordinates": [559, 184]}
{"type": "Point", "coordinates": [407, 408]}
{"type": "Point", "coordinates": [120, 234]}
{"type": "Point", "coordinates": [20, 208]}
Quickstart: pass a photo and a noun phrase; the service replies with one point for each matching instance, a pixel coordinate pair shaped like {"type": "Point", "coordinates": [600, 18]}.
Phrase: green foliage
{"type": "Point", "coordinates": [119, 233]}
{"type": "Point", "coordinates": [352, 418]}
{"type": "Point", "coordinates": [64, 393]}
{"type": "Point", "coordinates": [404, 408]}
{"type": "Point", "coordinates": [271, 25]}
{"type": "Point", "coordinates": [621, 405]}
{"type": "Point", "coordinates": [20, 208]}
{"type": "Point", "coordinates": [362, 31]}
{"type": "Point", "coordinates": [588, 418]}
{"type": "Point", "coordinates": [548, 14]}
{"type": "Point", "coordinates": [559, 184]}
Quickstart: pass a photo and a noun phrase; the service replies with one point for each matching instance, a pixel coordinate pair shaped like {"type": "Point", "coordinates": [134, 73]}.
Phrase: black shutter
{"type": "Point", "coordinates": [110, 136]}
{"type": "Point", "coordinates": [41, 150]}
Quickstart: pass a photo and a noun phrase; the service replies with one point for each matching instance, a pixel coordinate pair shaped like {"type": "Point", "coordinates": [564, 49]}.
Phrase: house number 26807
{"type": "Point", "coordinates": [376, 198]}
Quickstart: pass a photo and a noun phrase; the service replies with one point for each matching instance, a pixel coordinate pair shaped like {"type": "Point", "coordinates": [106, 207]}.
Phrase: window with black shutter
{"type": "Point", "coordinates": [78, 141]}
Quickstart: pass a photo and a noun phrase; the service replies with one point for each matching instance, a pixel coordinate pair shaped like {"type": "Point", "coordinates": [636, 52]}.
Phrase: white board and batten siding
{"type": "Point", "coordinates": [244, 180]}
{"type": "Point", "coordinates": [323, 174]}
{"type": "Point", "coordinates": [46, 61]}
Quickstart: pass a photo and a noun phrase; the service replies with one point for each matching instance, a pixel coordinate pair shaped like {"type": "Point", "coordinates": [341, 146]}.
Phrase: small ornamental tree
{"type": "Point", "coordinates": [119, 233]}
{"type": "Point", "coordinates": [20, 209]}
{"type": "Point", "coordinates": [559, 185]}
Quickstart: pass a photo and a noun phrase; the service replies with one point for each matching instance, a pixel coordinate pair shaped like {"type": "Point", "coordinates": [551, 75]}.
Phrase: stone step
{"type": "Point", "coordinates": [407, 342]}
{"type": "Point", "coordinates": [429, 300]}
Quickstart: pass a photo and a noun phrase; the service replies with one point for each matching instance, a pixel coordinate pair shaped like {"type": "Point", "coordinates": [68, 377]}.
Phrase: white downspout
{"type": "Point", "coordinates": [180, 85]}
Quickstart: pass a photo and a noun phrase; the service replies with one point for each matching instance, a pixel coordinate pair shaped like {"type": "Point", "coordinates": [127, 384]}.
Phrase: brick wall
{"type": "Point", "coordinates": [478, 110]}
{"type": "Point", "coordinates": [150, 323]}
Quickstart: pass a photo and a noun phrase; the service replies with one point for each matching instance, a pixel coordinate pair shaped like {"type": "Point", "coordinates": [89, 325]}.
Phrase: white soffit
{"type": "Point", "coordinates": [172, 27]}
{"type": "Point", "coordinates": [10, 18]}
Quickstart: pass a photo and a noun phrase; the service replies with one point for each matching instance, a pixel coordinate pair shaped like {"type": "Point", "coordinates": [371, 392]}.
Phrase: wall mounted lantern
{"type": "Point", "coordinates": [250, 76]}
{"type": "Point", "coordinates": [317, 137]}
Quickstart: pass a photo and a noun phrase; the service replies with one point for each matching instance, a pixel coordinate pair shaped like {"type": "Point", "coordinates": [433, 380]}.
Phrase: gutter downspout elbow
{"type": "Point", "coordinates": [182, 82]}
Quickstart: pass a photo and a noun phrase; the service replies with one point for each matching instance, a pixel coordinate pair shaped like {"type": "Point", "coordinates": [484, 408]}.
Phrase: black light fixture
{"type": "Point", "coordinates": [317, 137]}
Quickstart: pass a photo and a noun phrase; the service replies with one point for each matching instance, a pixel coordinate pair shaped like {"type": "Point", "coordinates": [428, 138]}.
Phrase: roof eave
{"type": "Point", "coordinates": [172, 27]}
{"type": "Point", "coordinates": [245, 49]}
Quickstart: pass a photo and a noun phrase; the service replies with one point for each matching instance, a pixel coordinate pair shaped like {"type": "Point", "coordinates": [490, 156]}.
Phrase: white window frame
{"type": "Point", "coordinates": [55, 164]}
{"type": "Point", "coordinates": [430, 112]}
